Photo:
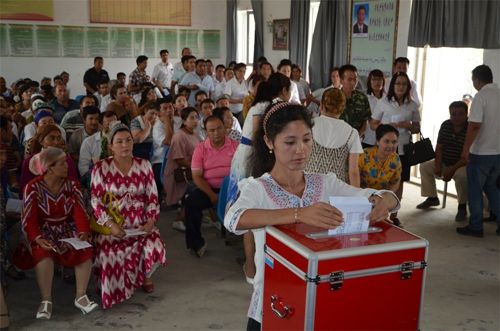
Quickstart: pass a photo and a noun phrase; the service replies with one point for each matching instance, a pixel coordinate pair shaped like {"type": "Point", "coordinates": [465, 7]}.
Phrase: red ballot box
{"type": "Point", "coordinates": [369, 281]}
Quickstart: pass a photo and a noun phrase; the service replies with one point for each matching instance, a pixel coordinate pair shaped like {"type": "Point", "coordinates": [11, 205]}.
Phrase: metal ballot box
{"type": "Point", "coordinates": [369, 281]}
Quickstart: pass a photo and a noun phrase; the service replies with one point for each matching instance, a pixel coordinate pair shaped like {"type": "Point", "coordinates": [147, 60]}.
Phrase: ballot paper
{"type": "Point", "coordinates": [133, 232]}
{"type": "Point", "coordinates": [76, 243]}
{"type": "Point", "coordinates": [14, 206]}
{"type": "Point", "coordinates": [355, 211]}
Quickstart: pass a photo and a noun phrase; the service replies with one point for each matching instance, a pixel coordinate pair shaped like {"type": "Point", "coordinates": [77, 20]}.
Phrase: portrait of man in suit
{"type": "Point", "coordinates": [360, 27]}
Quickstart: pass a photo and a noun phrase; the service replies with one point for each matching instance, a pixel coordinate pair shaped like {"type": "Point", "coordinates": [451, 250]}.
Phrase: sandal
{"type": "Point", "coordinates": [148, 287]}
{"type": "Point", "coordinates": [89, 305]}
{"type": "Point", "coordinates": [43, 311]}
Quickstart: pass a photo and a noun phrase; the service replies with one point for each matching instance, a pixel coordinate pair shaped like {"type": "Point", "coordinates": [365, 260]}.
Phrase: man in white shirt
{"type": "Point", "coordinates": [219, 82]}
{"type": "Point", "coordinates": [197, 81]}
{"type": "Point", "coordinates": [163, 72]}
{"type": "Point", "coordinates": [482, 151]}
{"type": "Point", "coordinates": [180, 68]}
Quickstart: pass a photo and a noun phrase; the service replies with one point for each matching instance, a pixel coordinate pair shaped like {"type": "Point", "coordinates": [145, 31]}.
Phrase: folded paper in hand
{"type": "Point", "coordinates": [355, 211]}
{"type": "Point", "coordinates": [76, 243]}
{"type": "Point", "coordinates": [133, 232]}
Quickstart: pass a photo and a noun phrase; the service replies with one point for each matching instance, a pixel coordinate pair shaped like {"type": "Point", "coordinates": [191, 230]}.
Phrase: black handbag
{"type": "Point", "coordinates": [419, 151]}
{"type": "Point", "coordinates": [183, 174]}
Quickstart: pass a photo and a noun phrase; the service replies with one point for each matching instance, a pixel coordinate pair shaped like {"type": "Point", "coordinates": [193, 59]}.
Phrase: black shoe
{"type": "Point", "coordinates": [429, 202]}
{"type": "Point", "coordinates": [461, 214]}
{"type": "Point", "coordinates": [491, 218]}
{"type": "Point", "coordinates": [397, 222]}
{"type": "Point", "coordinates": [466, 231]}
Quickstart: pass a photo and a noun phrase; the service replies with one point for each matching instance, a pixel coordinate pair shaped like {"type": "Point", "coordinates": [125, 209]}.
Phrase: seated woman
{"type": "Point", "coordinates": [48, 136]}
{"type": "Point", "coordinates": [379, 166]}
{"type": "Point", "coordinates": [227, 117]}
{"type": "Point", "coordinates": [282, 193]}
{"type": "Point", "coordinates": [131, 181]}
{"type": "Point", "coordinates": [54, 210]}
{"type": "Point", "coordinates": [142, 131]}
{"type": "Point", "coordinates": [181, 151]}
{"type": "Point", "coordinates": [336, 145]}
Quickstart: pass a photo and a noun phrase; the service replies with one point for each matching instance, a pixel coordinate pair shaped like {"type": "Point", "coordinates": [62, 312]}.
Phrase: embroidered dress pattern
{"type": "Point", "coordinates": [122, 264]}
{"type": "Point", "coordinates": [324, 160]}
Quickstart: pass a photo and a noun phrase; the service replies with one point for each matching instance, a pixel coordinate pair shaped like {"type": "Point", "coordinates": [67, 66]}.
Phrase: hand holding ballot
{"type": "Point", "coordinates": [321, 215]}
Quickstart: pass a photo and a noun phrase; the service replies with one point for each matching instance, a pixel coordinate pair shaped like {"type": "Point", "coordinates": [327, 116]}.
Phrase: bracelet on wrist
{"type": "Point", "coordinates": [296, 215]}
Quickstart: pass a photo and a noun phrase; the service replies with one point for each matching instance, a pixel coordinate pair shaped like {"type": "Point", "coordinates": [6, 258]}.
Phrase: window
{"type": "Point", "coordinates": [246, 37]}
{"type": "Point", "coordinates": [313, 15]}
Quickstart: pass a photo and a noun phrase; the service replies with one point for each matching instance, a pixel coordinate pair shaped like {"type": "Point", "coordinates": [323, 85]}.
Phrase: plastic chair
{"type": "Point", "coordinates": [221, 204]}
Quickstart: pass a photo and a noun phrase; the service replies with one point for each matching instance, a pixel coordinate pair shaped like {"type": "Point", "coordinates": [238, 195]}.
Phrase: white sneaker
{"type": "Point", "coordinates": [179, 226]}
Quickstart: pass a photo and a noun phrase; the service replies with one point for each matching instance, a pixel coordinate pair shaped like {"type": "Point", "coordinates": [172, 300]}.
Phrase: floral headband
{"type": "Point", "coordinates": [274, 108]}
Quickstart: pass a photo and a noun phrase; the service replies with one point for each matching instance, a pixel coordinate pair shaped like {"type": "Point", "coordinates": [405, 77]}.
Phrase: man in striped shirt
{"type": "Point", "coordinates": [448, 164]}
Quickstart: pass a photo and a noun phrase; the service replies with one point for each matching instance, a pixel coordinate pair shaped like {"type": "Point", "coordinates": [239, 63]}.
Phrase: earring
{"type": "Point", "coordinates": [270, 151]}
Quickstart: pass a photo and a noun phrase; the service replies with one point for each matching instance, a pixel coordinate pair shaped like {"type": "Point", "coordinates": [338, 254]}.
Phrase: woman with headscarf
{"type": "Point", "coordinates": [53, 210]}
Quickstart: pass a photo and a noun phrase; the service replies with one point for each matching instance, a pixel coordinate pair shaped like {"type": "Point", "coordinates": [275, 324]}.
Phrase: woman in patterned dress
{"type": "Point", "coordinates": [336, 145]}
{"type": "Point", "coordinates": [125, 262]}
{"type": "Point", "coordinates": [379, 166]}
{"type": "Point", "coordinates": [53, 210]}
{"type": "Point", "coordinates": [282, 193]}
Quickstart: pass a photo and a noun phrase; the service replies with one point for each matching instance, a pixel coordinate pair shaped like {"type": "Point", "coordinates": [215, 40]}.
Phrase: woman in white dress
{"type": "Point", "coordinates": [375, 92]}
{"type": "Point", "coordinates": [276, 88]}
{"type": "Point", "coordinates": [282, 193]}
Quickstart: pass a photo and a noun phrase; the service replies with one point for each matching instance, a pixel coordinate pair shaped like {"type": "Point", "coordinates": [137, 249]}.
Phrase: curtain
{"type": "Point", "coordinates": [231, 30]}
{"type": "Point", "coordinates": [330, 39]}
{"type": "Point", "coordinates": [446, 23]}
{"type": "Point", "coordinates": [299, 32]}
{"type": "Point", "coordinates": [258, 14]}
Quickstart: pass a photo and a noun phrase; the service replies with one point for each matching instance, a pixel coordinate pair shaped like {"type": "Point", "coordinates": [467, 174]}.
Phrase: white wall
{"type": "Point", "coordinates": [205, 14]}
{"type": "Point", "coordinates": [491, 57]}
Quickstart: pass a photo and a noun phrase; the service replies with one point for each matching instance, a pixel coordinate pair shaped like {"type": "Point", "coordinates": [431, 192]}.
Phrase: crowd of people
{"type": "Point", "coordinates": [265, 148]}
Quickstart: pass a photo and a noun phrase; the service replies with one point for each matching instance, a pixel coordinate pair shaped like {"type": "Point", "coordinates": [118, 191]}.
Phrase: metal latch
{"type": "Point", "coordinates": [406, 270]}
{"type": "Point", "coordinates": [336, 280]}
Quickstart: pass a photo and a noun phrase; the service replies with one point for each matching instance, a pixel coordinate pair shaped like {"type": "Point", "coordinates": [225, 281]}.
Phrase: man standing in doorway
{"type": "Point", "coordinates": [482, 151]}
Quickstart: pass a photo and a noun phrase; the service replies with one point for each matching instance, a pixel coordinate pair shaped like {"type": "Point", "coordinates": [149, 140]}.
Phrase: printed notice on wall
{"type": "Point", "coordinates": [373, 35]}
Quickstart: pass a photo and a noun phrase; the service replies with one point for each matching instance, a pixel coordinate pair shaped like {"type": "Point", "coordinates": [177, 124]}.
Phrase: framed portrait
{"type": "Point", "coordinates": [281, 34]}
{"type": "Point", "coordinates": [360, 17]}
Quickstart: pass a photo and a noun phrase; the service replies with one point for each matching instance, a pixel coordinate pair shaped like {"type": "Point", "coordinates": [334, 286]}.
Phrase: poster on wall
{"type": "Point", "coordinates": [167, 39]}
{"type": "Point", "coordinates": [120, 42]}
{"type": "Point", "coordinates": [47, 40]}
{"type": "Point", "coordinates": [144, 42]}
{"type": "Point", "coordinates": [97, 41]}
{"type": "Point", "coordinates": [27, 10]}
{"type": "Point", "coordinates": [4, 45]}
{"type": "Point", "coordinates": [281, 34]}
{"type": "Point", "coordinates": [373, 35]}
{"type": "Point", "coordinates": [144, 12]}
{"type": "Point", "coordinates": [28, 40]}
{"type": "Point", "coordinates": [73, 42]}
{"type": "Point", "coordinates": [189, 38]}
{"type": "Point", "coordinates": [211, 43]}
{"type": "Point", "coordinates": [21, 40]}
